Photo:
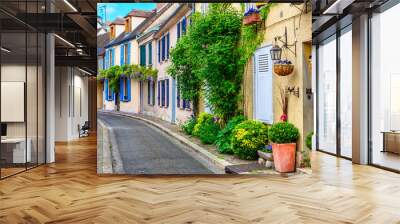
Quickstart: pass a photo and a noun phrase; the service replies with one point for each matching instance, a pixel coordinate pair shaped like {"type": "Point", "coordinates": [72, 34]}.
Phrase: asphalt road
{"type": "Point", "coordinates": [146, 150]}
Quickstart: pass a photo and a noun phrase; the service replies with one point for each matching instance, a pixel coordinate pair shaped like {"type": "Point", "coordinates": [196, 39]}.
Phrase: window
{"type": "Point", "coordinates": [128, 24]}
{"type": "Point", "coordinates": [159, 51]}
{"type": "Point", "coordinates": [178, 30]}
{"type": "Point", "coordinates": [127, 49]}
{"type": "Point", "coordinates": [165, 45]}
{"type": "Point", "coordinates": [125, 89]}
{"type": "Point", "coordinates": [151, 92]}
{"type": "Point", "coordinates": [178, 96]}
{"type": "Point", "coordinates": [184, 25]}
{"type": "Point", "coordinates": [163, 48]}
{"type": "Point", "coordinates": [263, 85]}
{"type": "Point", "coordinates": [150, 48]}
{"type": "Point", "coordinates": [109, 94]}
{"type": "Point", "coordinates": [142, 55]}
{"type": "Point", "coordinates": [163, 93]}
{"type": "Point", "coordinates": [167, 94]}
{"type": "Point", "coordinates": [327, 96]}
{"type": "Point", "coordinates": [204, 8]}
{"type": "Point", "coordinates": [158, 93]}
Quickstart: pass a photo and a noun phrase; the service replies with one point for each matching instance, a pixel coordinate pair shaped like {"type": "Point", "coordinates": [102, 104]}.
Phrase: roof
{"type": "Point", "coordinates": [123, 37]}
{"type": "Point", "coordinates": [102, 40]}
{"type": "Point", "coordinates": [139, 13]}
{"type": "Point", "coordinates": [118, 21]}
{"type": "Point", "coordinates": [168, 20]}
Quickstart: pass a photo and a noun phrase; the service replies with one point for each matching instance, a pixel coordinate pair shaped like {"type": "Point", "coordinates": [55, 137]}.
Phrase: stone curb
{"type": "Point", "coordinates": [111, 151]}
{"type": "Point", "coordinates": [104, 162]}
{"type": "Point", "coordinates": [220, 163]}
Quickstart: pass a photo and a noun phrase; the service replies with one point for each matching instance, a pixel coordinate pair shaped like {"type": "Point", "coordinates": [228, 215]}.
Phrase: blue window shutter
{"type": "Point", "coordinates": [121, 59]}
{"type": "Point", "coordinates": [159, 51]}
{"type": "Point", "coordinates": [106, 60]}
{"type": "Point", "coordinates": [163, 48]}
{"type": "Point", "coordinates": [148, 92]}
{"type": "Point", "coordinates": [153, 84]}
{"type": "Point", "coordinates": [106, 89]}
{"type": "Point", "coordinates": [178, 30]}
{"type": "Point", "coordinates": [167, 45]}
{"type": "Point", "coordinates": [188, 104]}
{"type": "Point", "coordinates": [183, 103]}
{"type": "Point", "coordinates": [167, 90]}
{"type": "Point", "coordinates": [184, 25]}
{"type": "Point", "coordinates": [121, 89]}
{"type": "Point", "coordinates": [128, 60]}
{"type": "Point", "coordinates": [163, 93]}
{"type": "Point", "coordinates": [158, 91]}
{"type": "Point", "coordinates": [142, 55]}
{"type": "Point", "coordinates": [129, 89]}
{"type": "Point", "coordinates": [150, 53]}
{"type": "Point", "coordinates": [112, 57]}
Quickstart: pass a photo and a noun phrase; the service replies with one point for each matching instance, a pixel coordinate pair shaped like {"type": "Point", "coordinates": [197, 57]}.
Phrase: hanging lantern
{"type": "Point", "coordinates": [276, 53]}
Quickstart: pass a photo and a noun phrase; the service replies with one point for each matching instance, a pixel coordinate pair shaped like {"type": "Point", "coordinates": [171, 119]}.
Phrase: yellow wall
{"type": "Point", "coordinates": [281, 16]}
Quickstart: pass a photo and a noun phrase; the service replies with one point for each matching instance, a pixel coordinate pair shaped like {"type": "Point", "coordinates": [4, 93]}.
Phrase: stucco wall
{"type": "Point", "coordinates": [298, 28]}
{"type": "Point", "coordinates": [132, 106]}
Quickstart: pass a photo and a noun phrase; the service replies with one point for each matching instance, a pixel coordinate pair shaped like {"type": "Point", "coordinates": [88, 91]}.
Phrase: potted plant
{"type": "Point", "coordinates": [283, 67]}
{"type": "Point", "coordinates": [252, 16]}
{"type": "Point", "coordinates": [284, 136]}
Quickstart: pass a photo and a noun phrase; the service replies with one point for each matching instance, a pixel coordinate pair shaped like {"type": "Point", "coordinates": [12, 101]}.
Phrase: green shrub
{"type": "Point", "coordinates": [208, 132]}
{"type": "Point", "coordinates": [248, 137]}
{"type": "Point", "coordinates": [203, 118]}
{"type": "Point", "coordinates": [283, 132]}
{"type": "Point", "coordinates": [188, 126]}
{"type": "Point", "coordinates": [223, 141]}
{"type": "Point", "coordinates": [309, 140]}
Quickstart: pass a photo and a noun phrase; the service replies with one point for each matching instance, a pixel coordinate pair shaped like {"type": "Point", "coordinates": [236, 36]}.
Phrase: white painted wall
{"type": "Point", "coordinates": [71, 102]}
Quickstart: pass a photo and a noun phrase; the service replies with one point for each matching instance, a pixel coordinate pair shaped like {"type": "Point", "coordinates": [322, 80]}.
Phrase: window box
{"type": "Point", "coordinates": [252, 16]}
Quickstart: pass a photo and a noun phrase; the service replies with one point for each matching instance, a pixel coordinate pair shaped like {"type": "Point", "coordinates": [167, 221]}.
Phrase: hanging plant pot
{"type": "Point", "coordinates": [252, 18]}
{"type": "Point", "coordinates": [283, 68]}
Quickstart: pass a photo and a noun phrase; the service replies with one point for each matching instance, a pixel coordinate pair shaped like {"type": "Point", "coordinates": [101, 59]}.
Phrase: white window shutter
{"type": "Point", "coordinates": [263, 85]}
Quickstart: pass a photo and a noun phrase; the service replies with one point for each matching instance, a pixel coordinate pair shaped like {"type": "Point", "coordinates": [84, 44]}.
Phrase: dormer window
{"type": "Point", "coordinates": [112, 32]}
{"type": "Point", "coordinates": [128, 24]}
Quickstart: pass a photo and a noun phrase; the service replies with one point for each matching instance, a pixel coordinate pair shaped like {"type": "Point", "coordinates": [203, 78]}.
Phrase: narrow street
{"type": "Point", "coordinates": [145, 150]}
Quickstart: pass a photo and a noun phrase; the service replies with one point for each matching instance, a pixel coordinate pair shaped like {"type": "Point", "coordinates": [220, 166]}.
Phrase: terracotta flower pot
{"type": "Point", "coordinates": [284, 157]}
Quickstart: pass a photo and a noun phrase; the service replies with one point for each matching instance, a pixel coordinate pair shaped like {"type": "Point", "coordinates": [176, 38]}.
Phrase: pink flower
{"type": "Point", "coordinates": [283, 117]}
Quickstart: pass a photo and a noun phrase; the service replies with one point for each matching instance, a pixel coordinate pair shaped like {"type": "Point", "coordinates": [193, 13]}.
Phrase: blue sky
{"type": "Point", "coordinates": [115, 10]}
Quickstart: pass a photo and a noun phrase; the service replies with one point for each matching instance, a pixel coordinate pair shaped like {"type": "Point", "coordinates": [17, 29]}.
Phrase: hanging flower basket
{"type": "Point", "coordinates": [252, 16]}
{"type": "Point", "coordinates": [283, 68]}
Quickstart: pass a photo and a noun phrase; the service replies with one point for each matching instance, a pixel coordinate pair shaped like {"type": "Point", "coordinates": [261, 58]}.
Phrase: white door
{"type": "Point", "coordinates": [263, 91]}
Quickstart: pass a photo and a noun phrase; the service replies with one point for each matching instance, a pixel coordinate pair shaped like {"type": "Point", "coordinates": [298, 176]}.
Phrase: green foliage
{"type": "Point", "coordinates": [203, 118]}
{"type": "Point", "coordinates": [223, 140]}
{"type": "Point", "coordinates": [188, 126]}
{"type": "Point", "coordinates": [283, 132]}
{"type": "Point", "coordinates": [114, 73]}
{"type": "Point", "coordinates": [208, 132]}
{"type": "Point", "coordinates": [248, 137]}
{"type": "Point", "coordinates": [206, 57]}
{"type": "Point", "coordinates": [206, 129]}
{"type": "Point", "coordinates": [309, 140]}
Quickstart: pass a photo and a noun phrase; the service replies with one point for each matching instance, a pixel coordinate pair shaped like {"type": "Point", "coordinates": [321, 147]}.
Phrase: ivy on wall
{"type": "Point", "coordinates": [211, 57]}
{"type": "Point", "coordinates": [114, 73]}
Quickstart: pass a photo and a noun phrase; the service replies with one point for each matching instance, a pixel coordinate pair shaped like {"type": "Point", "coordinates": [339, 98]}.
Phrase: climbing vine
{"type": "Point", "coordinates": [210, 58]}
{"type": "Point", "coordinates": [114, 73]}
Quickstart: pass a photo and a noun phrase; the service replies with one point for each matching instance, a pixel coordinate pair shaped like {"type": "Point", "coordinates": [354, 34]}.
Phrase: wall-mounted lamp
{"type": "Point", "coordinates": [276, 51]}
{"type": "Point", "coordinates": [293, 90]}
